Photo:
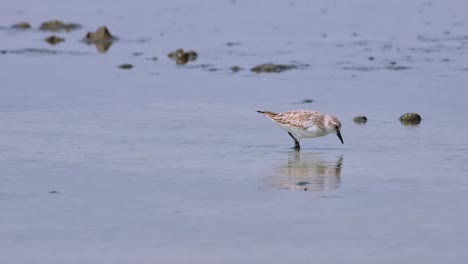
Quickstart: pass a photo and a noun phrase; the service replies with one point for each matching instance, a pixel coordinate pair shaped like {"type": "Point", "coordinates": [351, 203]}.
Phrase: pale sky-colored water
{"type": "Point", "coordinates": [167, 164]}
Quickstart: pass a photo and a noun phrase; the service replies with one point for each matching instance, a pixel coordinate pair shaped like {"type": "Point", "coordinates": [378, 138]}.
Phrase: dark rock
{"type": "Point", "coordinates": [21, 25]}
{"type": "Point", "coordinates": [53, 192]}
{"type": "Point", "coordinates": [102, 38]}
{"type": "Point", "coordinates": [126, 66]}
{"type": "Point", "coordinates": [235, 68]}
{"type": "Point", "coordinates": [54, 40]}
{"type": "Point", "coordinates": [270, 67]}
{"type": "Point", "coordinates": [102, 35]}
{"type": "Point", "coordinates": [56, 25]}
{"type": "Point", "coordinates": [175, 54]}
{"type": "Point", "coordinates": [182, 57]}
{"type": "Point", "coordinates": [360, 119]}
{"type": "Point", "coordinates": [152, 58]}
{"type": "Point", "coordinates": [137, 53]}
{"type": "Point", "coordinates": [307, 101]}
{"type": "Point", "coordinates": [302, 183]}
{"type": "Point", "coordinates": [371, 58]}
{"type": "Point", "coordinates": [410, 119]}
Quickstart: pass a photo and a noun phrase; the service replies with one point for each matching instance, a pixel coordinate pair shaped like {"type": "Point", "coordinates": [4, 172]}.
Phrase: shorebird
{"type": "Point", "coordinates": [305, 124]}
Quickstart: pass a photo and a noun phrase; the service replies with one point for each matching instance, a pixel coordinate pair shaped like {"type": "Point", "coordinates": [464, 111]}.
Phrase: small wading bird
{"type": "Point", "coordinates": [305, 124]}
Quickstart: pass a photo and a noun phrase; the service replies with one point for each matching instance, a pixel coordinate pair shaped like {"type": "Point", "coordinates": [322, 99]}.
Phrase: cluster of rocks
{"type": "Point", "coordinates": [405, 119]}
{"type": "Point", "coordinates": [101, 38]}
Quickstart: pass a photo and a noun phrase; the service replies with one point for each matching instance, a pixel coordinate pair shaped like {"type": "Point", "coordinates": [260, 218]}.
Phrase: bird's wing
{"type": "Point", "coordinates": [299, 118]}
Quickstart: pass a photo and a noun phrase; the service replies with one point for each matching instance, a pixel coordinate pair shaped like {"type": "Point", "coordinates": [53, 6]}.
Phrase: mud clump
{"type": "Point", "coordinates": [56, 25]}
{"type": "Point", "coordinates": [272, 68]}
{"type": "Point", "coordinates": [360, 120]}
{"type": "Point", "coordinates": [52, 40]}
{"type": "Point", "coordinates": [126, 66]}
{"type": "Point", "coordinates": [235, 68]}
{"type": "Point", "coordinates": [175, 54]}
{"type": "Point", "coordinates": [21, 25]}
{"type": "Point", "coordinates": [102, 38]}
{"type": "Point", "coordinates": [182, 57]}
{"type": "Point", "coordinates": [410, 119]}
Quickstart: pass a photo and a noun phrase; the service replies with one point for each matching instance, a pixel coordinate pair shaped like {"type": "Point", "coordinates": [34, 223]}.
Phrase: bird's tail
{"type": "Point", "coordinates": [268, 114]}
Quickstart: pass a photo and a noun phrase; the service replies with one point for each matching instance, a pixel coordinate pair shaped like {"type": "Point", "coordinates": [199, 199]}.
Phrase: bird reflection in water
{"type": "Point", "coordinates": [308, 172]}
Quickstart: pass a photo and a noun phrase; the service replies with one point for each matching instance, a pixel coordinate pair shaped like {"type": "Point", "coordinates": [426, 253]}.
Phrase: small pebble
{"type": "Point", "coordinates": [54, 40]}
{"type": "Point", "coordinates": [126, 66]}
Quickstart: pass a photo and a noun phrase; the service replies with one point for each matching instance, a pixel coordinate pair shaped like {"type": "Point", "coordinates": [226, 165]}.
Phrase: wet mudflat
{"type": "Point", "coordinates": [166, 162]}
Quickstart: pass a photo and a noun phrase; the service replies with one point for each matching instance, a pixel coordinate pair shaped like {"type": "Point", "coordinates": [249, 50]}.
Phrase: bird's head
{"type": "Point", "coordinates": [335, 126]}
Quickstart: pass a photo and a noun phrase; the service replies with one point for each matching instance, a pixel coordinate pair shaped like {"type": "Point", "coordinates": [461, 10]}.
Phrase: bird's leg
{"type": "Point", "coordinates": [296, 142]}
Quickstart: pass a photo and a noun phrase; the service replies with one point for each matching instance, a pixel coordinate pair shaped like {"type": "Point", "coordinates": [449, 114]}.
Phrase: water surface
{"type": "Point", "coordinates": [172, 164]}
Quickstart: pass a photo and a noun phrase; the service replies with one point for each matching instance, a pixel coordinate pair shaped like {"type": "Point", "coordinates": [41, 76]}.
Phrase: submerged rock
{"type": "Point", "coordinates": [410, 119]}
{"type": "Point", "coordinates": [125, 66]}
{"type": "Point", "coordinates": [360, 119]}
{"type": "Point", "coordinates": [56, 25]}
{"type": "Point", "coordinates": [270, 67]}
{"type": "Point", "coordinates": [192, 55]}
{"type": "Point", "coordinates": [235, 68]}
{"type": "Point", "coordinates": [21, 25]}
{"type": "Point", "coordinates": [182, 57]}
{"type": "Point", "coordinates": [234, 43]}
{"type": "Point", "coordinates": [102, 38]}
{"type": "Point", "coordinates": [54, 40]}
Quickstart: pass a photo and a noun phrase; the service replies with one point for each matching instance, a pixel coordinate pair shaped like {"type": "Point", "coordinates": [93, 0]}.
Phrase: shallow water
{"type": "Point", "coordinates": [172, 164]}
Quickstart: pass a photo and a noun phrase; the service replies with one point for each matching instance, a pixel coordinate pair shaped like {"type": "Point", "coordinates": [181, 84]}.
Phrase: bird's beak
{"type": "Point", "coordinates": [338, 133]}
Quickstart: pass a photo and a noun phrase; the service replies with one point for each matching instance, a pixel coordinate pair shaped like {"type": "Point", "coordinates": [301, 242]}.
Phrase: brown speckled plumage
{"type": "Point", "coordinates": [305, 123]}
